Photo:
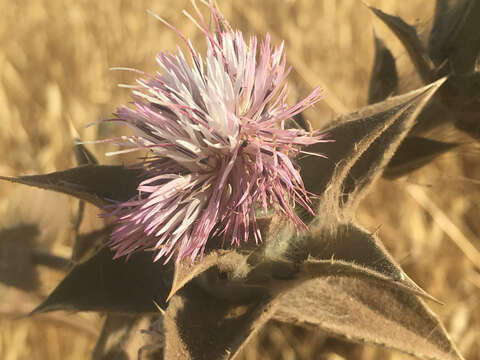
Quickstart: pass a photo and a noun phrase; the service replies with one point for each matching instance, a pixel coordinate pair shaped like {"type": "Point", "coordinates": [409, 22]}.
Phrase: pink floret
{"type": "Point", "coordinates": [220, 152]}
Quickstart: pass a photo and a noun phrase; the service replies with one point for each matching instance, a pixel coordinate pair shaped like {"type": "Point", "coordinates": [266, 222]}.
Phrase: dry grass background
{"type": "Point", "coordinates": [55, 57]}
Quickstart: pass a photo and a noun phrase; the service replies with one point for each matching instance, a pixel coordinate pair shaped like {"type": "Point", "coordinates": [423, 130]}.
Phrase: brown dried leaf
{"type": "Point", "coordinates": [415, 152]}
{"type": "Point", "coordinates": [384, 78]}
{"type": "Point", "coordinates": [409, 38]}
{"type": "Point", "coordinates": [367, 310]}
{"type": "Point", "coordinates": [97, 184]}
{"type": "Point", "coordinates": [113, 286]}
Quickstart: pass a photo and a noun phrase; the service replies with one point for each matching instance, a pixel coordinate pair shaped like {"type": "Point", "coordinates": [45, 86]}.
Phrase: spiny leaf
{"type": "Point", "coordinates": [409, 38]}
{"type": "Point", "coordinates": [83, 157]}
{"type": "Point", "coordinates": [97, 184]}
{"type": "Point", "coordinates": [375, 158]}
{"type": "Point", "coordinates": [201, 321]}
{"type": "Point", "coordinates": [112, 286]}
{"type": "Point", "coordinates": [313, 268]}
{"type": "Point", "coordinates": [461, 97]}
{"type": "Point", "coordinates": [201, 326]}
{"type": "Point", "coordinates": [364, 143]}
{"type": "Point", "coordinates": [77, 221]}
{"type": "Point", "coordinates": [434, 115]}
{"type": "Point", "coordinates": [17, 267]}
{"type": "Point", "coordinates": [448, 14]}
{"type": "Point", "coordinates": [215, 315]}
{"type": "Point", "coordinates": [456, 34]}
{"type": "Point", "coordinates": [228, 279]}
{"type": "Point", "coordinates": [415, 152]}
{"type": "Point", "coordinates": [82, 154]}
{"type": "Point", "coordinates": [384, 78]}
{"type": "Point", "coordinates": [186, 271]}
{"type": "Point", "coordinates": [466, 43]}
{"type": "Point", "coordinates": [350, 244]}
{"type": "Point", "coordinates": [367, 311]}
{"type": "Point", "coordinates": [115, 333]}
{"type": "Point", "coordinates": [271, 275]}
{"type": "Point", "coordinates": [348, 249]}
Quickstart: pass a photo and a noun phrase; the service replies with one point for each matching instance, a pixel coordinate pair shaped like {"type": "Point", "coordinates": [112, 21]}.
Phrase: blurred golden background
{"type": "Point", "coordinates": [55, 57]}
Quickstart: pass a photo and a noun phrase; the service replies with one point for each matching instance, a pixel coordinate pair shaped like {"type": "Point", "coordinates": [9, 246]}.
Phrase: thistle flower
{"type": "Point", "coordinates": [220, 152]}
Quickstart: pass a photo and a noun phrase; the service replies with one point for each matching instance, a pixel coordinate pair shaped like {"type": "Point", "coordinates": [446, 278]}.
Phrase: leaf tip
{"type": "Point", "coordinates": [159, 308]}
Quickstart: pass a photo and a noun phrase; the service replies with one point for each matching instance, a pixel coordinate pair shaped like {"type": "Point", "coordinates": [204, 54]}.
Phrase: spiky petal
{"type": "Point", "coordinates": [220, 151]}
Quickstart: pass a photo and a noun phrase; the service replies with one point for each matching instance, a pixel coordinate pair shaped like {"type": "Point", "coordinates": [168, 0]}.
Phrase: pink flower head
{"type": "Point", "coordinates": [220, 152]}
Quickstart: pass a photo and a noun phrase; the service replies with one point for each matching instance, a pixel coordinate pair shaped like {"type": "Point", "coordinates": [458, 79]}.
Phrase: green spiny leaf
{"type": "Point", "coordinates": [415, 152]}
{"type": "Point", "coordinates": [113, 286]}
{"type": "Point", "coordinates": [384, 77]}
{"type": "Point", "coordinates": [82, 154]}
{"type": "Point", "coordinates": [363, 310]}
{"type": "Point", "coordinates": [200, 326]}
{"type": "Point", "coordinates": [409, 38]}
{"type": "Point", "coordinates": [461, 96]}
{"type": "Point", "coordinates": [97, 184]}
{"type": "Point", "coordinates": [456, 35]}
{"type": "Point", "coordinates": [350, 244]}
{"type": "Point", "coordinates": [365, 141]}
{"type": "Point", "coordinates": [185, 271]}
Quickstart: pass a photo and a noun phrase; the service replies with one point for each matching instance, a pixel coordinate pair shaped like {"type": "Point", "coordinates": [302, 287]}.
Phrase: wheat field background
{"type": "Point", "coordinates": [55, 57]}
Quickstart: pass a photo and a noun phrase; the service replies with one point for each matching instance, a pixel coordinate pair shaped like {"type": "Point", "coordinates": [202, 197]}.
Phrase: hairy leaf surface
{"type": "Point", "coordinates": [407, 34]}
{"type": "Point", "coordinates": [384, 77]}
{"type": "Point", "coordinates": [365, 141]}
{"type": "Point", "coordinates": [114, 286]}
{"type": "Point", "coordinates": [367, 311]}
{"type": "Point", "coordinates": [97, 184]}
{"type": "Point", "coordinates": [415, 152]}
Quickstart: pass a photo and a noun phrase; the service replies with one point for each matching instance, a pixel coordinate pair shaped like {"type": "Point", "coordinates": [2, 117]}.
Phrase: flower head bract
{"type": "Point", "coordinates": [219, 148]}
